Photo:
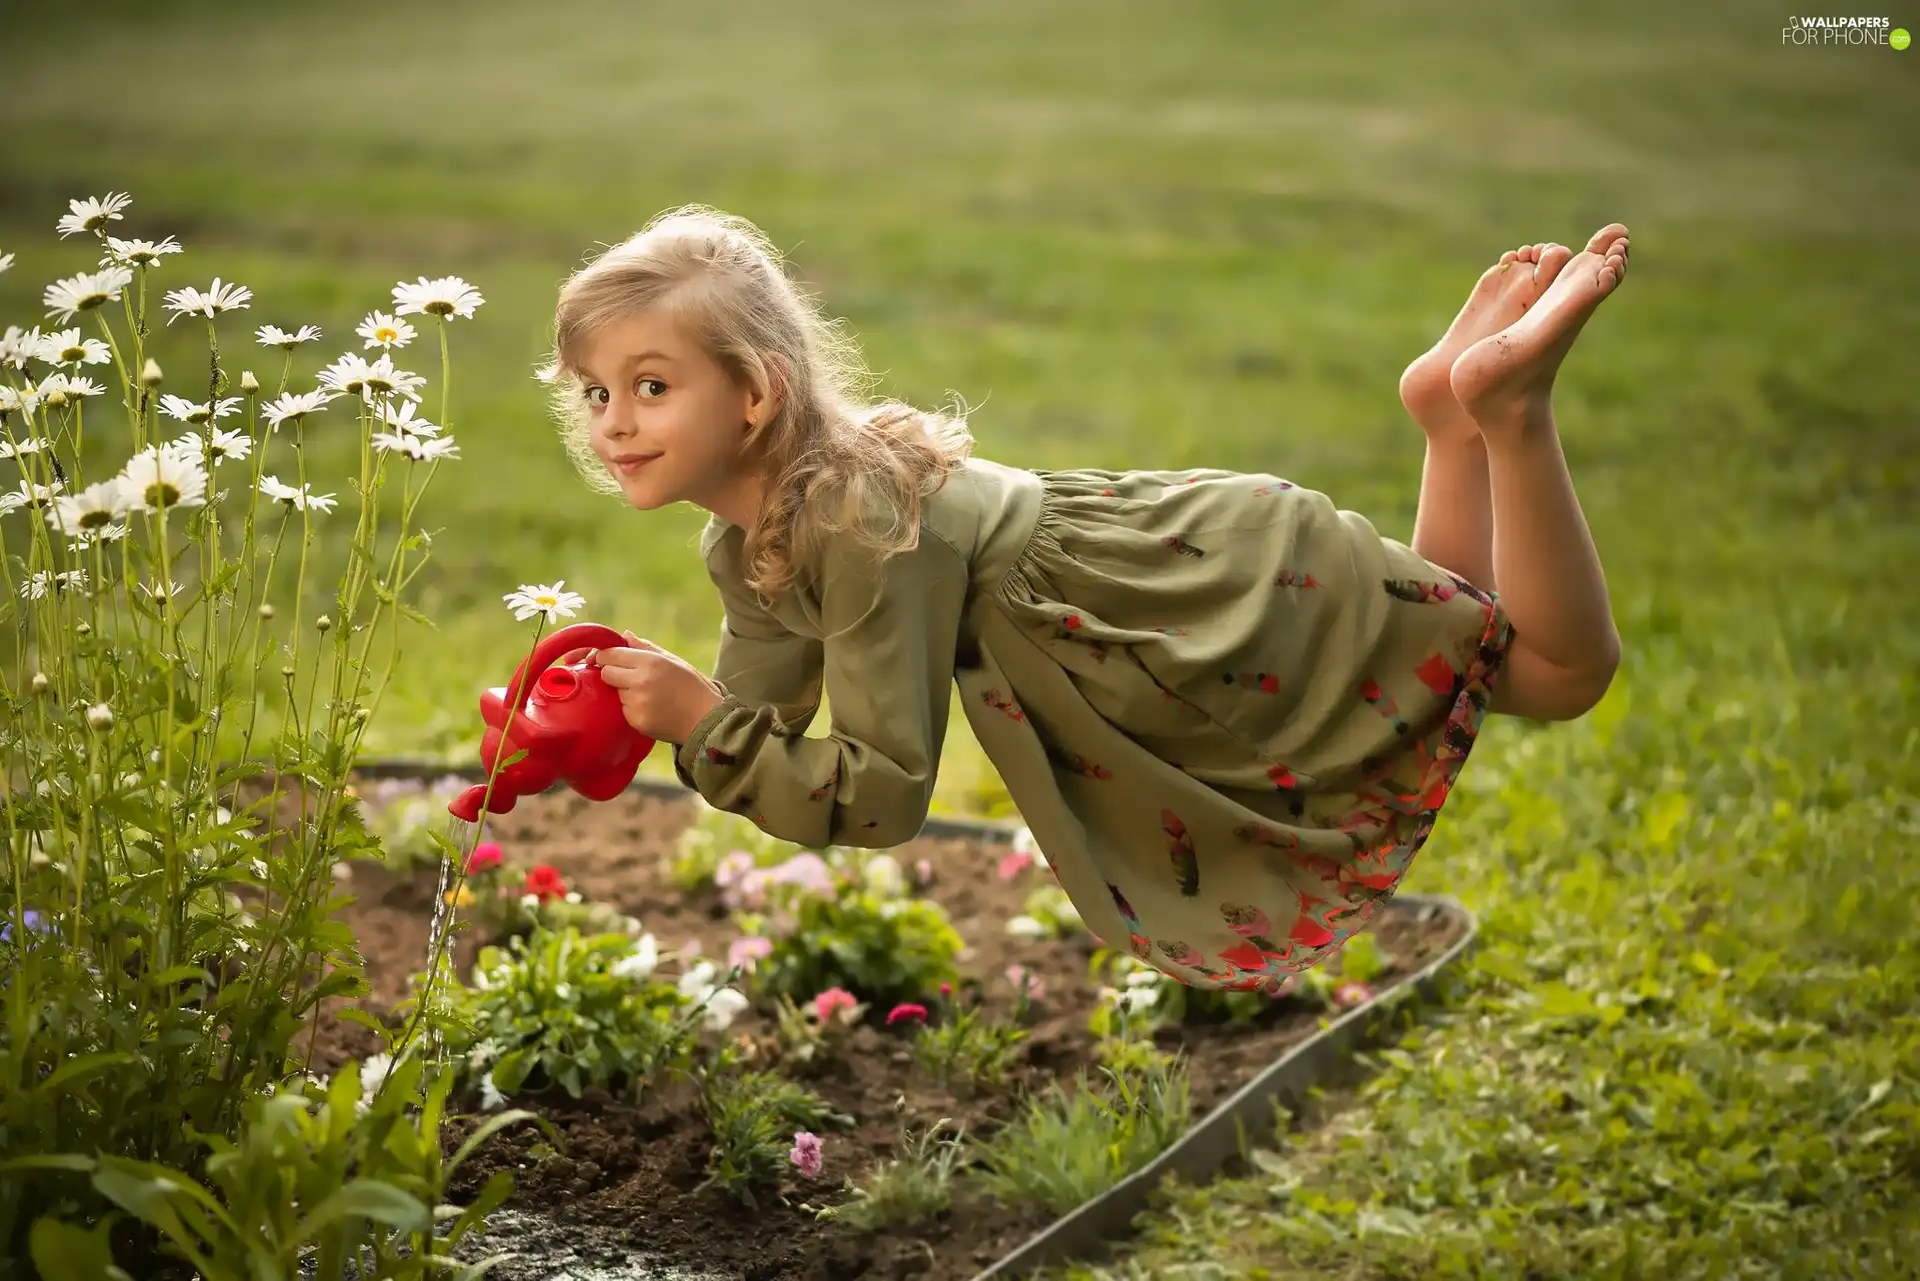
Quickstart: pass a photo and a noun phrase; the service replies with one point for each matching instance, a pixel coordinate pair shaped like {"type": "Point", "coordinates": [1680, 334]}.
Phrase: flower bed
{"type": "Point", "coordinates": [955, 1088]}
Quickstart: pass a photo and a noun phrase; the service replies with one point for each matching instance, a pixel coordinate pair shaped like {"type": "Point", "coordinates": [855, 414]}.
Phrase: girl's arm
{"type": "Point", "coordinates": [761, 661]}
{"type": "Point", "coordinates": [891, 631]}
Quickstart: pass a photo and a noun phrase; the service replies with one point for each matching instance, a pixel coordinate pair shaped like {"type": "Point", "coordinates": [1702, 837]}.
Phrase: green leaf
{"type": "Point", "coordinates": [67, 1252]}
{"type": "Point", "coordinates": [367, 1199]}
{"type": "Point", "coordinates": [76, 1069]}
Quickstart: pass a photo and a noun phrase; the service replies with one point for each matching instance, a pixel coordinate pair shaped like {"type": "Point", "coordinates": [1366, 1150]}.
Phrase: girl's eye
{"type": "Point", "coordinates": [651, 387]}
{"type": "Point", "coordinates": [598, 397]}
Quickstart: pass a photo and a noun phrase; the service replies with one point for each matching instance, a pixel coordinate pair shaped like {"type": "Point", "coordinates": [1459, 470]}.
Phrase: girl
{"type": "Point", "coordinates": [1228, 711]}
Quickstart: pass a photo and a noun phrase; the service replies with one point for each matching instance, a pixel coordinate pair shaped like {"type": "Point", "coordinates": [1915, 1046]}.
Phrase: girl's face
{"type": "Point", "coordinates": [666, 419]}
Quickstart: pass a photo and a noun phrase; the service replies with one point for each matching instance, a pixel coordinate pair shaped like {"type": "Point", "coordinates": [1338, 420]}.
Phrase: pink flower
{"type": "Point", "coordinates": [806, 1154]}
{"type": "Point", "coordinates": [484, 857]}
{"type": "Point", "coordinates": [1348, 995]}
{"type": "Point", "coordinates": [946, 989]}
{"type": "Point", "coordinates": [732, 868]}
{"type": "Point", "coordinates": [1014, 864]}
{"type": "Point", "coordinates": [1020, 978]}
{"type": "Point", "coordinates": [923, 871]}
{"type": "Point", "coordinates": [831, 1001]}
{"type": "Point", "coordinates": [907, 1012]}
{"type": "Point", "coordinates": [745, 952]}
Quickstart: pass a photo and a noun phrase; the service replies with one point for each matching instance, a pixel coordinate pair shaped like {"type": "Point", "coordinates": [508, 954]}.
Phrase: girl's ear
{"type": "Point", "coordinates": [764, 400]}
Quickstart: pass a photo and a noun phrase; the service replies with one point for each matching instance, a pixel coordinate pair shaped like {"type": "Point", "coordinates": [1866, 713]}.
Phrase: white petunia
{"type": "Point", "coordinates": [539, 598]}
{"type": "Point", "coordinates": [67, 347]}
{"type": "Point", "coordinates": [698, 981]}
{"type": "Point", "coordinates": [382, 330]}
{"type": "Point", "coordinates": [400, 416]}
{"type": "Point", "coordinates": [446, 296]}
{"type": "Point", "coordinates": [18, 346]}
{"type": "Point", "coordinates": [274, 336]}
{"type": "Point", "coordinates": [226, 446]}
{"type": "Point", "coordinates": [422, 449]}
{"type": "Point", "coordinates": [884, 877]}
{"type": "Point", "coordinates": [92, 213]}
{"type": "Point", "coordinates": [59, 389]}
{"type": "Point", "coordinates": [159, 476]}
{"type": "Point", "coordinates": [38, 585]}
{"type": "Point", "coordinates": [373, 1075]}
{"type": "Point", "coordinates": [21, 448]}
{"type": "Point", "coordinates": [29, 495]}
{"type": "Point", "coordinates": [490, 1097]}
{"type": "Point", "coordinates": [293, 407]}
{"type": "Point", "coordinates": [138, 253]}
{"type": "Point", "coordinates": [640, 960]}
{"type": "Point", "coordinates": [188, 411]}
{"type": "Point", "coordinates": [300, 498]}
{"type": "Point", "coordinates": [65, 299]}
{"type": "Point", "coordinates": [1025, 927]}
{"type": "Point", "coordinates": [723, 1007]}
{"type": "Point", "coordinates": [209, 302]}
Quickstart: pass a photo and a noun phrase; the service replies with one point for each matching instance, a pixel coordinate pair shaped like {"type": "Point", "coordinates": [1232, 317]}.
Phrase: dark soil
{"type": "Point", "coordinates": [624, 1174]}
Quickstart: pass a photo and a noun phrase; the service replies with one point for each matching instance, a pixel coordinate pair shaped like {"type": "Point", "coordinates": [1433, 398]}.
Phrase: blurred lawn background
{"type": "Point", "coordinates": [1213, 234]}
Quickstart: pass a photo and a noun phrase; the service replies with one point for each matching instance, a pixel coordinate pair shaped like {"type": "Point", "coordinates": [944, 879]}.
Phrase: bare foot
{"type": "Point", "coordinates": [1505, 381]}
{"type": "Point", "coordinates": [1499, 298]}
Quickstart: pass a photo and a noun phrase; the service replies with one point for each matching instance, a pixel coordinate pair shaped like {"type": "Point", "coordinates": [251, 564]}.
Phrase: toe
{"type": "Point", "coordinates": [1605, 236]}
{"type": "Point", "coordinates": [1552, 259]}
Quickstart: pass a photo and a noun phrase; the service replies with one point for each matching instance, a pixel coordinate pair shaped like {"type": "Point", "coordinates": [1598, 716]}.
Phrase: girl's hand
{"type": "Point", "coordinates": [662, 694]}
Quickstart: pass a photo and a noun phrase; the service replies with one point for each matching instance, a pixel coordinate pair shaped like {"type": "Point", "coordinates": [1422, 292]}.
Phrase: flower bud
{"type": "Point", "coordinates": [266, 611]}
{"type": "Point", "coordinates": [249, 385]}
{"type": "Point", "coordinates": [150, 375]}
{"type": "Point", "coordinates": [100, 716]}
{"type": "Point", "coordinates": [287, 672]}
{"type": "Point", "coordinates": [57, 398]}
{"type": "Point", "coordinates": [323, 622]}
{"type": "Point", "coordinates": [360, 715]}
{"type": "Point", "coordinates": [39, 683]}
{"type": "Point", "coordinates": [83, 629]}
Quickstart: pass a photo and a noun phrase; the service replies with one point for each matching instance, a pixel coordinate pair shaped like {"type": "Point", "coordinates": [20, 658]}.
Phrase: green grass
{"type": "Point", "coordinates": [1143, 235]}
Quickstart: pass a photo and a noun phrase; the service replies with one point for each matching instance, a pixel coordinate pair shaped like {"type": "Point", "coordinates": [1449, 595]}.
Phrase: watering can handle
{"type": "Point", "coordinates": [548, 651]}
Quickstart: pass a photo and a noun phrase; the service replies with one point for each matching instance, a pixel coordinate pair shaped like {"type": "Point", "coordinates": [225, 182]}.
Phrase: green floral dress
{"type": "Point", "coordinates": [1228, 711]}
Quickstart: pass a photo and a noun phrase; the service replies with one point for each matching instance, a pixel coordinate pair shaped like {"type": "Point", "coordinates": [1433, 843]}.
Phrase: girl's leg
{"type": "Point", "coordinates": [1565, 648]}
{"type": "Point", "coordinates": [1453, 526]}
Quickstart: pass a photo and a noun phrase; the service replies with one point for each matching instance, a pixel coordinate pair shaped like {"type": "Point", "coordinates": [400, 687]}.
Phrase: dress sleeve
{"type": "Point", "coordinates": [761, 661]}
{"type": "Point", "coordinates": [888, 657]}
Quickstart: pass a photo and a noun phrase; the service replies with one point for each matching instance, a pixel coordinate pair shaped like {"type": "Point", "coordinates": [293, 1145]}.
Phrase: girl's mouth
{"type": "Point", "coordinates": [628, 464]}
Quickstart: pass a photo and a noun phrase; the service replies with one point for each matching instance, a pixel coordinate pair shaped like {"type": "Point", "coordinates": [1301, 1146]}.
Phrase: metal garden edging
{"type": "Point", "coordinates": [1208, 1145]}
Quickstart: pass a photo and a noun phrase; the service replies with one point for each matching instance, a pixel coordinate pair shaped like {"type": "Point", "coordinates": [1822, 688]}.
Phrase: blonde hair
{"type": "Point", "coordinates": [834, 463]}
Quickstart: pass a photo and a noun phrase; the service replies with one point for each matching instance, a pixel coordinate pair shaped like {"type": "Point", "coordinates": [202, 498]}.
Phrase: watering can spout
{"type": "Point", "coordinates": [466, 806]}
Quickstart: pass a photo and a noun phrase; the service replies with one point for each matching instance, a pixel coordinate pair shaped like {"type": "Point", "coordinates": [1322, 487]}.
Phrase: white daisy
{"type": "Point", "coordinates": [159, 476]}
{"type": "Point", "coordinates": [18, 346]}
{"type": "Point", "coordinates": [207, 302]}
{"type": "Point", "coordinates": [400, 416]}
{"type": "Point", "coordinates": [58, 389]}
{"type": "Point", "coordinates": [299, 498]}
{"type": "Point", "coordinates": [188, 411]}
{"type": "Point", "coordinates": [38, 585]}
{"type": "Point", "coordinates": [29, 495]}
{"type": "Point", "coordinates": [21, 448]}
{"type": "Point", "coordinates": [92, 214]}
{"type": "Point", "coordinates": [91, 510]}
{"type": "Point", "coordinates": [382, 379]}
{"type": "Point", "coordinates": [6, 261]}
{"type": "Point", "coordinates": [723, 1007]}
{"type": "Point", "coordinates": [18, 400]}
{"type": "Point", "coordinates": [157, 592]}
{"type": "Point", "coordinates": [67, 347]}
{"type": "Point", "coordinates": [446, 296]}
{"type": "Point", "coordinates": [226, 446]}
{"type": "Point", "coordinates": [639, 962]}
{"type": "Point", "coordinates": [421, 449]}
{"type": "Point", "coordinates": [65, 299]}
{"type": "Point", "coordinates": [538, 598]}
{"type": "Point", "coordinates": [138, 253]}
{"type": "Point", "coordinates": [274, 336]}
{"type": "Point", "coordinates": [292, 407]}
{"type": "Point", "coordinates": [382, 330]}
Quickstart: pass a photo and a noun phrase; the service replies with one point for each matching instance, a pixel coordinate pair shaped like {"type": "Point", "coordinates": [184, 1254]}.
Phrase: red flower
{"type": "Point", "coordinates": [484, 858]}
{"type": "Point", "coordinates": [544, 882]}
{"type": "Point", "coordinates": [907, 1013]}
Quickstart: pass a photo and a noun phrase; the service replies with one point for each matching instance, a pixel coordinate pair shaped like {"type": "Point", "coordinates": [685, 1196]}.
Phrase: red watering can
{"type": "Point", "coordinates": [567, 720]}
